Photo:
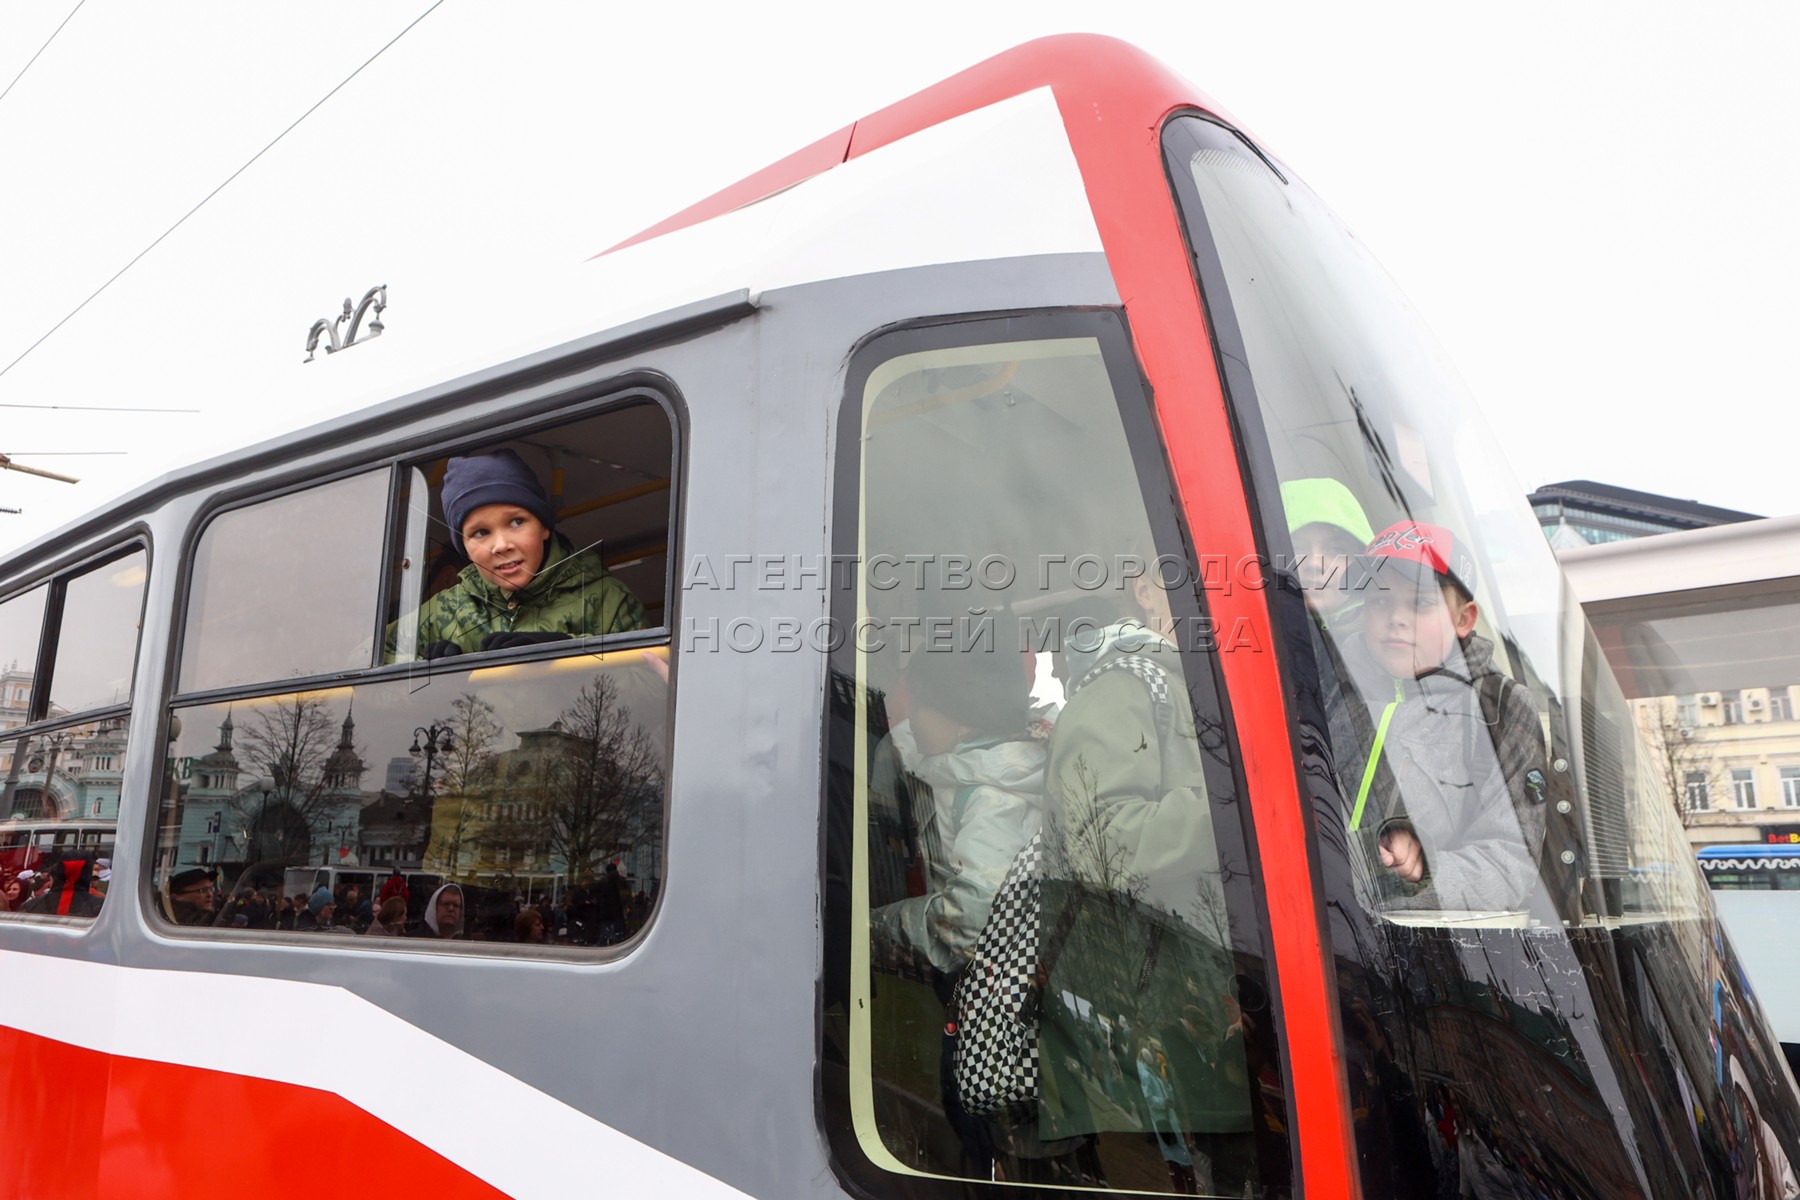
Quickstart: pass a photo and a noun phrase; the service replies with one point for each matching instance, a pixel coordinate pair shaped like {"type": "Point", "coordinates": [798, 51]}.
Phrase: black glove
{"type": "Point", "coordinates": [440, 650]}
{"type": "Point", "coordinates": [504, 640]}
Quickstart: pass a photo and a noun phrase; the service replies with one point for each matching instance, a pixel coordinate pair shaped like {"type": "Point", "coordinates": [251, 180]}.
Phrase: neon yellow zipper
{"type": "Point", "coordinates": [1362, 793]}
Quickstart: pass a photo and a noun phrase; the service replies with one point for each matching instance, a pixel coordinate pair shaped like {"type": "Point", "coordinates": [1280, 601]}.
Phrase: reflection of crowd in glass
{"type": "Point", "coordinates": [603, 910]}
{"type": "Point", "coordinates": [70, 886]}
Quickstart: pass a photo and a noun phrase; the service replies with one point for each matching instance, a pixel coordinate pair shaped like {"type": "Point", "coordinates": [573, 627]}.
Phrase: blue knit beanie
{"type": "Point", "coordinates": [498, 478]}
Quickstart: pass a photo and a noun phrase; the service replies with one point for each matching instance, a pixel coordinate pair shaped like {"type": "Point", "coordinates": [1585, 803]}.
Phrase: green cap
{"type": "Point", "coordinates": [1324, 501]}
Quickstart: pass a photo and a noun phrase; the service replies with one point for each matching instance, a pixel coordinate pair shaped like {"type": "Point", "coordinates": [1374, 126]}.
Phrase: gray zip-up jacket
{"type": "Point", "coordinates": [986, 800]}
{"type": "Point", "coordinates": [1472, 793]}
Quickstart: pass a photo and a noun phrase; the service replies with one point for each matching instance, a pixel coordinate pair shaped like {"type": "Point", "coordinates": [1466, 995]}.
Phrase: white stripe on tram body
{"type": "Point", "coordinates": [108, 1009]}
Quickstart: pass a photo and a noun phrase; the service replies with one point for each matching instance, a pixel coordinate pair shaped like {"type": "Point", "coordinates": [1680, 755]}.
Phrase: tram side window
{"type": "Point", "coordinates": [286, 587]}
{"type": "Point", "coordinates": [556, 534]}
{"type": "Point", "coordinates": [509, 787]}
{"type": "Point", "coordinates": [1028, 753]}
{"type": "Point", "coordinates": [63, 755]}
{"type": "Point", "coordinates": [21, 631]}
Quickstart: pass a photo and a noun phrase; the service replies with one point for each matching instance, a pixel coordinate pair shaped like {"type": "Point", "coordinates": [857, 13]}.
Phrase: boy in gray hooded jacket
{"type": "Point", "coordinates": [1442, 753]}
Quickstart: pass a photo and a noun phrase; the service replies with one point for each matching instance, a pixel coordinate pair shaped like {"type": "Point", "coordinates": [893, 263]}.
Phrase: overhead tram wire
{"type": "Point", "coordinates": [190, 212]}
{"type": "Point", "coordinates": [89, 407]}
{"type": "Point", "coordinates": [41, 49]}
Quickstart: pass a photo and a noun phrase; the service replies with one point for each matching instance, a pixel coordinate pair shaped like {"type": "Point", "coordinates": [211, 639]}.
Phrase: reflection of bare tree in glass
{"type": "Point", "coordinates": [1078, 842]}
{"type": "Point", "coordinates": [1207, 912]}
{"type": "Point", "coordinates": [288, 744]}
{"type": "Point", "coordinates": [463, 774]}
{"type": "Point", "coordinates": [601, 790]}
{"type": "Point", "coordinates": [1685, 764]}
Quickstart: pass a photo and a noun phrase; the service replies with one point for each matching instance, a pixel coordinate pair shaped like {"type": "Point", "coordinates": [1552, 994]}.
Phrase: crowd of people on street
{"type": "Point", "coordinates": [70, 886]}
{"type": "Point", "coordinates": [602, 910]}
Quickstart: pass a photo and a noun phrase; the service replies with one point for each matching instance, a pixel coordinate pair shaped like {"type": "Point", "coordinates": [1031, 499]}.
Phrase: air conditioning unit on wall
{"type": "Point", "coordinates": [1709, 699]}
{"type": "Point", "coordinates": [1755, 703]}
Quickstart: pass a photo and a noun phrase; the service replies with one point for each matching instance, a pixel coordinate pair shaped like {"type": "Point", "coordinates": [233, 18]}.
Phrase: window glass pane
{"type": "Point", "coordinates": [1709, 672]}
{"type": "Point", "coordinates": [1489, 819]}
{"type": "Point", "coordinates": [286, 587]}
{"type": "Point", "coordinates": [96, 645]}
{"type": "Point", "coordinates": [21, 628]}
{"type": "Point", "coordinates": [1393, 503]}
{"type": "Point", "coordinates": [1033, 763]}
{"type": "Point", "coordinates": [1719, 640]}
{"type": "Point", "coordinates": [59, 809]}
{"type": "Point", "coordinates": [535, 786]}
{"type": "Point", "coordinates": [567, 533]}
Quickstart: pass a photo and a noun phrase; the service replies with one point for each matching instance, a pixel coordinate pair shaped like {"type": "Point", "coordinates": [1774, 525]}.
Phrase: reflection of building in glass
{"type": "Point", "coordinates": [554, 800]}
{"type": "Point", "coordinates": [401, 772]}
{"type": "Point", "coordinates": [283, 809]}
{"type": "Point", "coordinates": [67, 775]}
{"type": "Point", "coordinates": [15, 695]}
{"type": "Point", "coordinates": [393, 831]}
{"type": "Point", "coordinates": [1581, 512]}
{"type": "Point", "coordinates": [283, 782]}
{"type": "Point", "coordinates": [15, 702]}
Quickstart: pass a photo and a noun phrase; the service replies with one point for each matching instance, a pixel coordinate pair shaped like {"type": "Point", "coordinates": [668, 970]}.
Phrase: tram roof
{"type": "Point", "coordinates": [1014, 115]}
{"type": "Point", "coordinates": [1079, 69]}
{"type": "Point", "coordinates": [1741, 552]}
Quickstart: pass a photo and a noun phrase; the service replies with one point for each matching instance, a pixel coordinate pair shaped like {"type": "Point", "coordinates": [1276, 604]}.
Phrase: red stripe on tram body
{"type": "Point", "coordinates": [1114, 99]}
{"type": "Point", "coordinates": [81, 1124]}
{"type": "Point", "coordinates": [1134, 209]}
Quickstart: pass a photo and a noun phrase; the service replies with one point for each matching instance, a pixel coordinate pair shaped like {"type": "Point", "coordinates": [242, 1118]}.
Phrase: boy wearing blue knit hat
{"type": "Point", "coordinates": [524, 583]}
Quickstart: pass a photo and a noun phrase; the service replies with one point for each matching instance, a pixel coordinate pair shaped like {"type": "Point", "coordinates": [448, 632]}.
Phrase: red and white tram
{"type": "Point", "coordinates": [902, 445]}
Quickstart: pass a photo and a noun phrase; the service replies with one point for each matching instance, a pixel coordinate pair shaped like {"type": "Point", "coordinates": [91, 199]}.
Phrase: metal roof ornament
{"type": "Point", "coordinates": [340, 338]}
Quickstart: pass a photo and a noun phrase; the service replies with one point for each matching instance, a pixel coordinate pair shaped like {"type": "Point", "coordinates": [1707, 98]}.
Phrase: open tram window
{"type": "Point", "coordinates": [1026, 745]}
{"type": "Point", "coordinates": [506, 787]}
{"type": "Point", "coordinates": [67, 654]}
{"type": "Point", "coordinates": [556, 533]}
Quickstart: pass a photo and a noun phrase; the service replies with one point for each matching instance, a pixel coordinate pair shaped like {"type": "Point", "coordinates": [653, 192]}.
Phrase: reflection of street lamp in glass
{"type": "Point", "coordinates": [173, 800]}
{"type": "Point", "coordinates": [436, 739]}
{"type": "Point", "coordinates": [256, 832]}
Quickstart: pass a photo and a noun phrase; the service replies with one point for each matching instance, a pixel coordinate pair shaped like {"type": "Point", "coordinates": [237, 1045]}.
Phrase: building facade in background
{"type": "Point", "coordinates": [1702, 630]}
{"type": "Point", "coordinates": [1580, 512]}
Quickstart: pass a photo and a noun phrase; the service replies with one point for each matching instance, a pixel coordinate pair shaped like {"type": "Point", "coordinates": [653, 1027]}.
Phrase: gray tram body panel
{"type": "Point", "coordinates": [700, 1040]}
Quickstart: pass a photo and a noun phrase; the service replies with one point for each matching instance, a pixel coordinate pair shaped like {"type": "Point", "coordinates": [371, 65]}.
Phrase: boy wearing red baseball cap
{"type": "Point", "coordinates": [1443, 754]}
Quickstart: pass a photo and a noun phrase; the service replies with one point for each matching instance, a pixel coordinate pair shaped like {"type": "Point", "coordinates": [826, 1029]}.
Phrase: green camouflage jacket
{"type": "Point", "coordinates": [572, 594]}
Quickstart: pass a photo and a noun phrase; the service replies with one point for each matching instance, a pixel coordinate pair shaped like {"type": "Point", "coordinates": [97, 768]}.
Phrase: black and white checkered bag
{"type": "Point", "coordinates": [994, 1012]}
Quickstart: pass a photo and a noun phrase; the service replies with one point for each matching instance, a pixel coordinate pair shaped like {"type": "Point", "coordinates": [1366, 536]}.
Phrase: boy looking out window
{"type": "Point", "coordinates": [1443, 754]}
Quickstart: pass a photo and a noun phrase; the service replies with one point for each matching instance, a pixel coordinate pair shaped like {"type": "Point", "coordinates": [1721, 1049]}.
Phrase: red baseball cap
{"type": "Point", "coordinates": [1425, 546]}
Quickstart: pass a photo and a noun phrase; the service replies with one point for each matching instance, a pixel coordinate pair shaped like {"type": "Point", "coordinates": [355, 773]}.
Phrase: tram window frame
{"type": "Point", "coordinates": [1232, 822]}
{"type": "Point", "coordinates": [397, 519]}
{"type": "Point", "coordinates": [54, 579]}
{"type": "Point", "coordinates": [396, 461]}
{"type": "Point", "coordinates": [591, 403]}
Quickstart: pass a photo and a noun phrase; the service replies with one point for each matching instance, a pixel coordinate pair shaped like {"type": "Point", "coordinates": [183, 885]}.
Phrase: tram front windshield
{"type": "Point", "coordinates": [1529, 980]}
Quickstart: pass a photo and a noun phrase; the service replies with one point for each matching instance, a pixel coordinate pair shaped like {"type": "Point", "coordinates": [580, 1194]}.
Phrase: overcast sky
{"type": "Point", "coordinates": [1591, 204]}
